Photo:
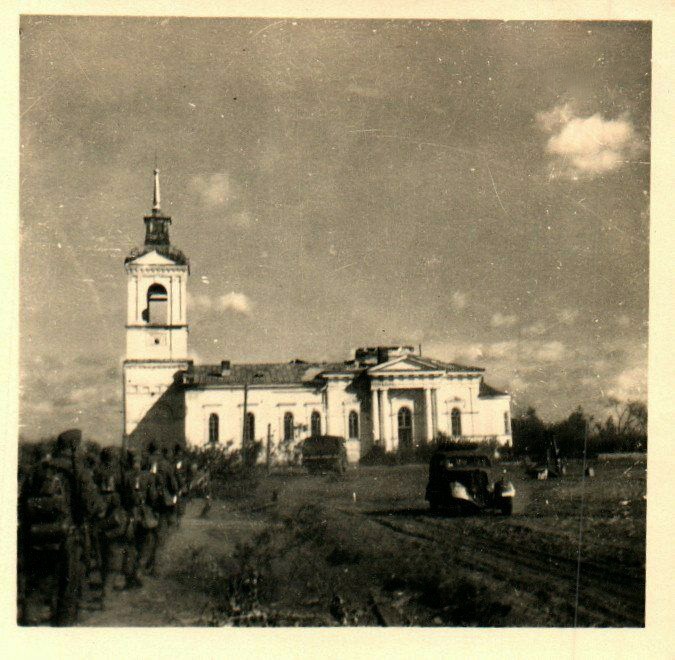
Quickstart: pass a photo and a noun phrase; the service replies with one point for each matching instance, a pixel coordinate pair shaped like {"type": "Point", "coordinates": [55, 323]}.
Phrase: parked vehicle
{"type": "Point", "coordinates": [323, 453]}
{"type": "Point", "coordinates": [465, 481]}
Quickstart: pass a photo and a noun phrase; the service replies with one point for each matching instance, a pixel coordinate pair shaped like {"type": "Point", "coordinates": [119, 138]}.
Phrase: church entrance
{"type": "Point", "coordinates": [405, 428]}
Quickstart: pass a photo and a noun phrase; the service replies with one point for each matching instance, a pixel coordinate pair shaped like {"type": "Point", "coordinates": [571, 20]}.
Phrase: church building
{"type": "Point", "coordinates": [386, 395]}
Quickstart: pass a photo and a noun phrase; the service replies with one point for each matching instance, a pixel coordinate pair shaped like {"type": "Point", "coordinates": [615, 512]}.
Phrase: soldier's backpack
{"type": "Point", "coordinates": [116, 520]}
{"type": "Point", "coordinates": [167, 499]}
{"type": "Point", "coordinates": [144, 516]}
{"type": "Point", "coordinates": [48, 505]}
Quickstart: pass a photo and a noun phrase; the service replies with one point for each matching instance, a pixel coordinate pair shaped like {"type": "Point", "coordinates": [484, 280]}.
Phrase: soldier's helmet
{"type": "Point", "coordinates": [69, 440]}
{"type": "Point", "coordinates": [133, 459]}
{"type": "Point", "coordinates": [43, 452]}
{"type": "Point", "coordinates": [108, 455]}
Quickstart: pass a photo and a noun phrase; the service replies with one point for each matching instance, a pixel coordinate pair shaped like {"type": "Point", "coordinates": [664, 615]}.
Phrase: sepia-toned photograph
{"type": "Point", "coordinates": [333, 322]}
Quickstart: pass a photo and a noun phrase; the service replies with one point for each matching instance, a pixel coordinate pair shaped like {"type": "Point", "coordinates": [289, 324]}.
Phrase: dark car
{"type": "Point", "coordinates": [323, 453]}
{"type": "Point", "coordinates": [463, 481]}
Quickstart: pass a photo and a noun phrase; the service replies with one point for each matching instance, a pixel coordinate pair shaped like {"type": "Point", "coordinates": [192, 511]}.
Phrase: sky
{"type": "Point", "coordinates": [479, 188]}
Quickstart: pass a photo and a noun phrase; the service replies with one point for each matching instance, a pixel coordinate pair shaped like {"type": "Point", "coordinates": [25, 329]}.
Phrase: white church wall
{"type": "Point", "coordinates": [461, 393]}
{"type": "Point", "coordinates": [414, 400]}
{"type": "Point", "coordinates": [491, 419]}
{"type": "Point", "coordinates": [153, 406]}
{"type": "Point", "coordinates": [155, 343]}
{"type": "Point", "coordinates": [341, 400]}
{"type": "Point", "coordinates": [268, 405]}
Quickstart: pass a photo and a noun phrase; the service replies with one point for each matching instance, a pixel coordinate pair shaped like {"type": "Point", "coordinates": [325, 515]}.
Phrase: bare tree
{"type": "Point", "coordinates": [629, 416]}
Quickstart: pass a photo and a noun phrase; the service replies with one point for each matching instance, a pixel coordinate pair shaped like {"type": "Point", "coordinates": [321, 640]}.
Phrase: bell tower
{"type": "Point", "coordinates": [156, 332]}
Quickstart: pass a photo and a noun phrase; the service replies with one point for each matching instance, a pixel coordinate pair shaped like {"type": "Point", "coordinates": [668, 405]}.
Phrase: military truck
{"type": "Point", "coordinates": [324, 453]}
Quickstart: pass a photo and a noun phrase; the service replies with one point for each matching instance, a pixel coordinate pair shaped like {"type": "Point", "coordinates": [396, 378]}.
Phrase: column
{"type": "Point", "coordinates": [427, 408]}
{"type": "Point", "coordinates": [386, 420]}
{"type": "Point", "coordinates": [375, 417]}
{"type": "Point", "coordinates": [326, 415]}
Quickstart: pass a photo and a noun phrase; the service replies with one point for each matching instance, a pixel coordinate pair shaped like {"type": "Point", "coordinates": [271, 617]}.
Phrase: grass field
{"type": "Point", "coordinates": [363, 549]}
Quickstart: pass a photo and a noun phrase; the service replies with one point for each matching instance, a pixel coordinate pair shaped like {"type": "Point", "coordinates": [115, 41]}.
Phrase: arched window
{"type": "Point", "coordinates": [315, 423]}
{"type": "Point", "coordinates": [249, 429]}
{"type": "Point", "coordinates": [288, 426]}
{"type": "Point", "coordinates": [507, 424]}
{"type": "Point", "coordinates": [456, 419]}
{"type": "Point", "coordinates": [405, 429]}
{"type": "Point", "coordinates": [213, 427]}
{"type": "Point", "coordinates": [158, 305]}
{"type": "Point", "coordinates": [353, 424]}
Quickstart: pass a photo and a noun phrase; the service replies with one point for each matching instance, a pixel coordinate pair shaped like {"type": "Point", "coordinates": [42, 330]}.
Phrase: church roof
{"type": "Point", "coordinates": [486, 391]}
{"type": "Point", "coordinates": [444, 366]}
{"type": "Point", "coordinates": [296, 372]}
{"type": "Point", "coordinates": [168, 251]}
{"type": "Point", "coordinates": [299, 372]}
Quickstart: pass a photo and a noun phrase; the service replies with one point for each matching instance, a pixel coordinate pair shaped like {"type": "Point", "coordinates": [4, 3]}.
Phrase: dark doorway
{"type": "Point", "coordinates": [405, 428]}
{"type": "Point", "coordinates": [315, 424]}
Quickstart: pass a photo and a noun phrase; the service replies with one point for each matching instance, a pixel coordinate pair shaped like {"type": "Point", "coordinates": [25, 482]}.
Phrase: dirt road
{"type": "Point", "coordinates": [163, 600]}
{"type": "Point", "coordinates": [363, 549]}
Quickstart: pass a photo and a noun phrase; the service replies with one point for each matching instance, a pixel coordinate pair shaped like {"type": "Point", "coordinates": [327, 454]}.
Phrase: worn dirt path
{"type": "Point", "coordinates": [163, 601]}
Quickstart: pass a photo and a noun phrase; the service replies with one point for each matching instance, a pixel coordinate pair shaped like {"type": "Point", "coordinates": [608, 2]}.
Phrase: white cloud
{"type": "Point", "coordinates": [200, 302]}
{"type": "Point", "coordinates": [41, 407]}
{"type": "Point", "coordinates": [567, 316]}
{"type": "Point", "coordinates": [631, 383]}
{"type": "Point", "coordinates": [555, 118]}
{"type": "Point", "coordinates": [587, 146]}
{"type": "Point", "coordinates": [500, 349]}
{"type": "Point", "coordinates": [551, 351]}
{"type": "Point", "coordinates": [233, 302]}
{"type": "Point", "coordinates": [216, 190]}
{"type": "Point", "coordinates": [535, 329]}
{"type": "Point", "coordinates": [241, 219]}
{"type": "Point", "coordinates": [236, 302]}
{"type": "Point", "coordinates": [454, 351]}
{"type": "Point", "coordinates": [500, 320]}
{"type": "Point", "coordinates": [83, 394]}
{"type": "Point", "coordinates": [459, 300]}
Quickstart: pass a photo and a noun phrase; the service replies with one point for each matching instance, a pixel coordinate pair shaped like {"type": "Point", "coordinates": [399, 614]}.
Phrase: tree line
{"type": "Point", "coordinates": [623, 430]}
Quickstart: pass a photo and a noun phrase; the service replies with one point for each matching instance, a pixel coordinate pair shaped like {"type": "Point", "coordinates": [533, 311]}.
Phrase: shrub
{"type": "Point", "coordinates": [231, 476]}
{"type": "Point", "coordinates": [379, 456]}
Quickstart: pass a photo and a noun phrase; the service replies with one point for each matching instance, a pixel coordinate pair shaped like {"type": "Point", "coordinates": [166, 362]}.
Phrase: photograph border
{"type": "Point", "coordinates": [655, 641]}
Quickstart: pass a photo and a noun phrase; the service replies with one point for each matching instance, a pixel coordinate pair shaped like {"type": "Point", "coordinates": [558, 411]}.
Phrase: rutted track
{"type": "Point", "coordinates": [607, 596]}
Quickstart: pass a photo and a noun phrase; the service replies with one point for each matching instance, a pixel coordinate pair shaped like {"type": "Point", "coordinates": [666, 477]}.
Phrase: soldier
{"type": "Point", "coordinates": [57, 499]}
{"type": "Point", "coordinates": [138, 496]}
{"type": "Point", "coordinates": [167, 491]}
{"type": "Point", "coordinates": [155, 468]}
{"type": "Point", "coordinates": [111, 530]}
{"type": "Point", "coordinates": [171, 490]}
{"type": "Point", "coordinates": [91, 547]}
{"type": "Point", "coordinates": [181, 475]}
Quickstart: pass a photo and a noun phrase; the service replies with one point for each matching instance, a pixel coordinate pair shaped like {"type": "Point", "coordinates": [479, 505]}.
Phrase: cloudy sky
{"type": "Point", "coordinates": [479, 188]}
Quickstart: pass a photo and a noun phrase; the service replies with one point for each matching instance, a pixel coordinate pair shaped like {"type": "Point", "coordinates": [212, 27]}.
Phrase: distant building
{"type": "Point", "coordinates": [384, 395]}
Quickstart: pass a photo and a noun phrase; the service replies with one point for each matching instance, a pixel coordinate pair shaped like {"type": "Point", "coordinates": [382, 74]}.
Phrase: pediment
{"type": "Point", "coordinates": [404, 363]}
{"type": "Point", "coordinates": [153, 258]}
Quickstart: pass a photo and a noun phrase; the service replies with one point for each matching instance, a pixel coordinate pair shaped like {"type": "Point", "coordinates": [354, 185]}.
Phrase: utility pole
{"type": "Point", "coordinates": [268, 456]}
{"type": "Point", "coordinates": [244, 438]}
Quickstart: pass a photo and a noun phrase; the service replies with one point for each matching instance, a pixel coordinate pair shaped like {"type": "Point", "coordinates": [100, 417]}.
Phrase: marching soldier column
{"type": "Point", "coordinates": [93, 520]}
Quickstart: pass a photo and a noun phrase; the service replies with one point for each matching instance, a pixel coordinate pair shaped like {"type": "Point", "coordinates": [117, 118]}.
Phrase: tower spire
{"type": "Point", "coordinates": [155, 196]}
